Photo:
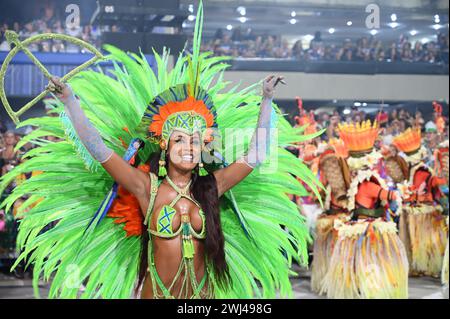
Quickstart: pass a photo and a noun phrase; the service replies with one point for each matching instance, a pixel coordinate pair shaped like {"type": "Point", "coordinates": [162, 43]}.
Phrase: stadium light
{"type": "Point", "coordinates": [331, 30]}
{"type": "Point", "coordinates": [191, 8]}
{"type": "Point", "coordinates": [357, 104]}
{"type": "Point", "coordinates": [229, 27]}
{"type": "Point", "coordinates": [191, 17]}
{"type": "Point", "coordinates": [293, 21]}
{"type": "Point", "coordinates": [373, 32]}
{"type": "Point", "coordinates": [393, 17]}
{"type": "Point", "coordinates": [413, 32]}
{"type": "Point", "coordinates": [393, 25]}
{"type": "Point", "coordinates": [243, 19]}
{"type": "Point", "coordinates": [308, 37]}
{"type": "Point", "coordinates": [242, 11]}
{"type": "Point", "coordinates": [437, 19]}
{"type": "Point", "coordinates": [436, 26]}
{"type": "Point", "coordinates": [349, 23]}
{"type": "Point", "coordinates": [293, 14]}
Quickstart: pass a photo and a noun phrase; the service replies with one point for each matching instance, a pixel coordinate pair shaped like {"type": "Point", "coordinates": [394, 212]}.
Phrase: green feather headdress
{"type": "Point", "coordinates": [187, 107]}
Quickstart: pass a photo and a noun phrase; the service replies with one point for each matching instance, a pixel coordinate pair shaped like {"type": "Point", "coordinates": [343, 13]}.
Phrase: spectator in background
{"type": "Point", "coordinates": [46, 45]}
{"type": "Point", "coordinates": [268, 46]}
{"type": "Point", "coordinates": [87, 36]}
{"type": "Point", "coordinates": [115, 28]}
{"type": "Point", "coordinates": [332, 129]}
{"type": "Point", "coordinates": [346, 52]}
{"type": "Point", "coordinates": [57, 45]}
{"type": "Point", "coordinates": [375, 50]}
{"type": "Point", "coordinates": [393, 115]}
{"type": "Point", "coordinates": [317, 40]}
{"type": "Point", "coordinates": [401, 41]}
{"type": "Point", "coordinates": [392, 53]}
{"type": "Point", "coordinates": [249, 35]}
{"type": "Point", "coordinates": [282, 50]}
{"type": "Point", "coordinates": [29, 31]}
{"type": "Point", "coordinates": [250, 52]}
{"type": "Point", "coordinates": [418, 120]}
{"type": "Point", "coordinates": [406, 54]}
{"type": "Point", "coordinates": [4, 45]}
{"type": "Point", "coordinates": [315, 52]}
{"type": "Point", "coordinates": [418, 52]}
{"type": "Point", "coordinates": [362, 50]}
{"type": "Point", "coordinates": [49, 17]}
{"type": "Point", "coordinates": [223, 47]}
{"type": "Point", "coordinates": [237, 35]}
{"type": "Point", "coordinates": [7, 153]}
{"type": "Point", "coordinates": [16, 27]}
{"type": "Point", "coordinates": [258, 45]}
{"type": "Point", "coordinates": [443, 47]}
{"type": "Point", "coordinates": [297, 50]}
{"type": "Point", "coordinates": [329, 53]}
{"type": "Point", "coordinates": [219, 34]}
{"type": "Point", "coordinates": [431, 55]}
{"type": "Point", "coordinates": [316, 48]}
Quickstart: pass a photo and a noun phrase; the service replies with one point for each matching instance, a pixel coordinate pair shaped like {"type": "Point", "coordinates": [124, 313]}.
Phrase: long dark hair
{"type": "Point", "coordinates": [204, 190]}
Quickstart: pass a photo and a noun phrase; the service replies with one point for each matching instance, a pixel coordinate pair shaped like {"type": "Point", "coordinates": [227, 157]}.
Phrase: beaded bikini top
{"type": "Point", "coordinates": [164, 227]}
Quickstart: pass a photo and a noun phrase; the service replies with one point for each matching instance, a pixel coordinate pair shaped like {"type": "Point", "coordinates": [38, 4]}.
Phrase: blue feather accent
{"type": "Point", "coordinates": [132, 150]}
{"type": "Point", "coordinates": [104, 207]}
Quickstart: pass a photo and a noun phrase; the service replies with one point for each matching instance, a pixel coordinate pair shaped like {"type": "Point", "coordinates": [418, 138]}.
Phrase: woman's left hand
{"type": "Point", "coordinates": [269, 85]}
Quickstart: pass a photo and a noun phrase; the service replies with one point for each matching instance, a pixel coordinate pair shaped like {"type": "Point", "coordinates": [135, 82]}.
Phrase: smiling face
{"type": "Point", "coordinates": [184, 150]}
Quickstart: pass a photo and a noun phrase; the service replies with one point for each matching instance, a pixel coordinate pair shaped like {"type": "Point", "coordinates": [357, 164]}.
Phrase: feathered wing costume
{"type": "Point", "coordinates": [96, 240]}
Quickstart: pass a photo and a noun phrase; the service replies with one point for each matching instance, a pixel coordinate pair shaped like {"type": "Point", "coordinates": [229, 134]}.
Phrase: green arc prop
{"type": "Point", "coordinates": [13, 38]}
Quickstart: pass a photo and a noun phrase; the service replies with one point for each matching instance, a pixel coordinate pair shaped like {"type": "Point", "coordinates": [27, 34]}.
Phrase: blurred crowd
{"type": "Point", "coordinates": [248, 45]}
{"type": "Point", "coordinates": [49, 22]}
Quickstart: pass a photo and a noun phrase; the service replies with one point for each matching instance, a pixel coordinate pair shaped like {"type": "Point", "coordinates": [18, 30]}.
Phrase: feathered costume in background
{"type": "Point", "coordinates": [73, 188]}
{"type": "Point", "coordinates": [335, 176]}
{"type": "Point", "coordinates": [423, 227]}
{"type": "Point", "coordinates": [369, 260]}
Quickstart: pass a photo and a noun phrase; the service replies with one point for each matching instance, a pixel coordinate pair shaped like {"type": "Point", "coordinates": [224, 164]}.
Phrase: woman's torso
{"type": "Point", "coordinates": [167, 252]}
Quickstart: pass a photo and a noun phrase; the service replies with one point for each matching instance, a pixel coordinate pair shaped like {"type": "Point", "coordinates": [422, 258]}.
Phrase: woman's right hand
{"type": "Point", "coordinates": [60, 89]}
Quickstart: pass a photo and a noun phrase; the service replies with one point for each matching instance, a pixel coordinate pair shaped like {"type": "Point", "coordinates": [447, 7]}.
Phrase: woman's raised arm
{"type": "Point", "coordinates": [124, 174]}
{"type": "Point", "coordinates": [233, 174]}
